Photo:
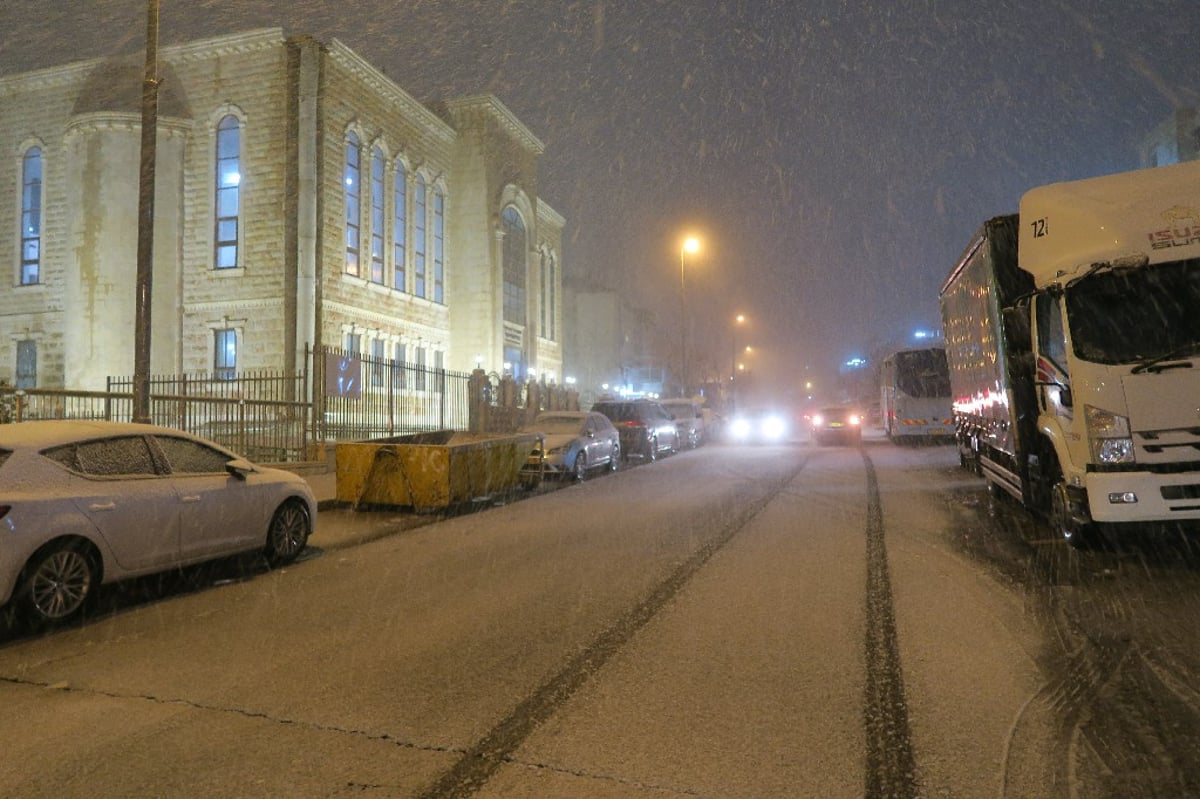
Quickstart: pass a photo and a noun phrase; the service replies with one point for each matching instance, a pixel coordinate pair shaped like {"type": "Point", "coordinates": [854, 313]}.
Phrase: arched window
{"type": "Point", "coordinates": [377, 215]}
{"type": "Point", "coordinates": [545, 303]}
{"type": "Point", "coordinates": [31, 216]}
{"type": "Point", "coordinates": [353, 211]}
{"type": "Point", "coordinates": [419, 237]}
{"type": "Point", "coordinates": [514, 266]}
{"type": "Point", "coordinates": [553, 336]}
{"type": "Point", "coordinates": [227, 193]}
{"type": "Point", "coordinates": [399, 231]}
{"type": "Point", "coordinates": [439, 246]}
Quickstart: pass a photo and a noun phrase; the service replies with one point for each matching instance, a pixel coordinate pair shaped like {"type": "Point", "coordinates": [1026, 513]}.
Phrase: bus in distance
{"type": "Point", "coordinates": [915, 398]}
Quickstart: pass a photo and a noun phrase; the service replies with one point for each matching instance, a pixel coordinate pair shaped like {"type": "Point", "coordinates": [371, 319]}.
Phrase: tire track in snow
{"type": "Point", "coordinates": [891, 768]}
{"type": "Point", "coordinates": [479, 763]}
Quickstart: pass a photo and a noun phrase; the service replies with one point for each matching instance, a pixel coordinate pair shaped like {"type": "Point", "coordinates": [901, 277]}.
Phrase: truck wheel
{"type": "Point", "coordinates": [1078, 534]}
{"type": "Point", "coordinates": [968, 457]}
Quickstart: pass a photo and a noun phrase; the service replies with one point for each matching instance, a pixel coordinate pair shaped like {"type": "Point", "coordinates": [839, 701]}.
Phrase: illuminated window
{"type": "Point", "coordinates": [31, 216]}
{"type": "Point", "coordinates": [353, 219]}
{"type": "Point", "coordinates": [553, 298]}
{"type": "Point", "coordinates": [545, 304]}
{"type": "Point", "coordinates": [225, 350]}
{"type": "Point", "coordinates": [228, 193]}
{"type": "Point", "coordinates": [377, 216]}
{"type": "Point", "coordinates": [399, 231]}
{"type": "Point", "coordinates": [514, 266]}
{"type": "Point", "coordinates": [439, 248]}
{"type": "Point", "coordinates": [419, 237]}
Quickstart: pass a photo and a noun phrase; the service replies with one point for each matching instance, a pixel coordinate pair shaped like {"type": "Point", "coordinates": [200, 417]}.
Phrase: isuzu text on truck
{"type": "Point", "coordinates": [1073, 340]}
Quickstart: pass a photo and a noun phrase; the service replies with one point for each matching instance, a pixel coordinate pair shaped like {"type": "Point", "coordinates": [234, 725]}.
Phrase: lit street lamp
{"type": "Point", "coordinates": [690, 244]}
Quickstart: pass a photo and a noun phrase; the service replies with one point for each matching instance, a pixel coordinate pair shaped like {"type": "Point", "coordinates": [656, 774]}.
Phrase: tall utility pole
{"type": "Point", "coordinates": [145, 242]}
{"type": "Point", "coordinates": [690, 244]}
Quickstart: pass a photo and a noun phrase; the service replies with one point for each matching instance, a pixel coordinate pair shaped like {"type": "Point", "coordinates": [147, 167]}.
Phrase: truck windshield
{"type": "Point", "coordinates": [1130, 315]}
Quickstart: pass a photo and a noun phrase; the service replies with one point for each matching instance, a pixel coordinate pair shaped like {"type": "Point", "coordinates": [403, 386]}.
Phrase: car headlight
{"type": "Point", "coordinates": [740, 428]}
{"type": "Point", "coordinates": [1108, 434]}
{"type": "Point", "coordinates": [559, 450]}
{"type": "Point", "coordinates": [818, 420]}
{"type": "Point", "coordinates": [773, 427]}
{"type": "Point", "coordinates": [854, 420]}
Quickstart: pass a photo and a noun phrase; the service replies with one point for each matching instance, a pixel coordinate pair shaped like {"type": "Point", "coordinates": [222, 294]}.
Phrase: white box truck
{"type": "Point", "coordinates": [1072, 334]}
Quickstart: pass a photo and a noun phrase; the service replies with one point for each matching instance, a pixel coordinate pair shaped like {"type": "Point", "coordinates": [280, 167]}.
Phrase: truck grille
{"type": "Point", "coordinates": [1167, 446]}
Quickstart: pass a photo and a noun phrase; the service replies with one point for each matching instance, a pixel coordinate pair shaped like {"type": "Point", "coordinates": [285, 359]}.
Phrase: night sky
{"type": "Point", "coordinates": [834, 156]}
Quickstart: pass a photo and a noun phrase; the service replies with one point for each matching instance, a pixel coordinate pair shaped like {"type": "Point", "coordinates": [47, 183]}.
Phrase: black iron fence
{"type": "Point", "coordinates": [359, 397]}
{"type": "Point", "coordinates": [262, 430]}
{"type": "Point", "coordinates": [269, 416]}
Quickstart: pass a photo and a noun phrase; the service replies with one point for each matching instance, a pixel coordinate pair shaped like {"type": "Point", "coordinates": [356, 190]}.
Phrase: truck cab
{"type": "Point", "coordinates": [1115, 321]}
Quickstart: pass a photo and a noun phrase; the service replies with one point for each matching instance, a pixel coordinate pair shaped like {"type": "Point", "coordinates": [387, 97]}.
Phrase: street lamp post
{"type": "Point", "coordinates": [690, 244]}
{"type": "Point", "coordinates": [738, 321]}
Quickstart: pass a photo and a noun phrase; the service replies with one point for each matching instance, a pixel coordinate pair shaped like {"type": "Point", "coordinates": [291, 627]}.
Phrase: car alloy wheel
{"type": "Point", "coordinates": [288, 533]}
{"type": "Point", "coordinates": [60, 582]}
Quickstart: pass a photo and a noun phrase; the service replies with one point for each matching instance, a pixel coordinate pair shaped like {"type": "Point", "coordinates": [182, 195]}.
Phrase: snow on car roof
{"type": "Point", "coordinates": [50, 432]}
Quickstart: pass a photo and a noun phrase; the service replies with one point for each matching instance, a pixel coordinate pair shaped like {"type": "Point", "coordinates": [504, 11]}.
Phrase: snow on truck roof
{"type": "Point", "coordinates": [1147, 213]}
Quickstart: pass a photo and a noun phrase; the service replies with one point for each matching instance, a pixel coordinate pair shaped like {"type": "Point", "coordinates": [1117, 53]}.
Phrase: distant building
{"type": "Point", "coordinates": [611, 347]}
{"type": "Point", "coordinates": [302, 198]}
{"type": "Point", "coordinates": [1175, 139]}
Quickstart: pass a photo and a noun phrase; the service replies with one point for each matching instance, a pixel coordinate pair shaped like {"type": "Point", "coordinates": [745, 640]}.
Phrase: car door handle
{"type": "Point", "coordinates": [191, 498]}
{"type": "Point", "coordinates": [102, 506]}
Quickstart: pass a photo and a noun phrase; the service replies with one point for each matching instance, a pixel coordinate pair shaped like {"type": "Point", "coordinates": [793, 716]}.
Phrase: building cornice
{"type": "Point", "coordinates": [490, 106]}
{"type": "Point", "coordinates": [547, 214]}
{"type": "Point", "coordinates": [122, 121]}
{"type": "Point", "coordinates": [367, 318]}
{"type": "Point", "coordinates": [198, 50]}
{"type": "Point", "coordinates": [232, 44]}
{"type": "Point", "coordinates": [225, 306]}
{"type": "Point", "coordinates": [408, 105]}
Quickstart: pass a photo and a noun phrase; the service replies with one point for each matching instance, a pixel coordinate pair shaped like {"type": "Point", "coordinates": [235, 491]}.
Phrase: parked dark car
{"type": "Point", "coordinates": [837, 424]}
{"type": "Point", "coordinates": [646, 428]}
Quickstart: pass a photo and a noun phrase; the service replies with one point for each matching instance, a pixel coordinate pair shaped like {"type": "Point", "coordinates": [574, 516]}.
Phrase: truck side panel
{"type": "Point", "coordinates": [983, 353]}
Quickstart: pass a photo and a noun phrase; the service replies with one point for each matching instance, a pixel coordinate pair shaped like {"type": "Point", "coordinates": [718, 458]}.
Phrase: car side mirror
{"type": "Point", "coordinates": [239, 468]}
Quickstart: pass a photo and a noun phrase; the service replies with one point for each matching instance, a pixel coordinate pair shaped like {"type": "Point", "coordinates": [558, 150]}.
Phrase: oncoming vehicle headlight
{"type": "Point", "coordinates": [854, 420]}
{"type": "Point", "coordinates": [818, 420]}
{"type": "Point", "coordinates": [1108, 435]}
{"type": "Point", "coordinates": [740, 428]}
{"type": "Point", "coordinates": [773, 428]}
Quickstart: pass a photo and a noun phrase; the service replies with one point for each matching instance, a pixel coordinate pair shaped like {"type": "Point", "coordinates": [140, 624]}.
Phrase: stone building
{"type": "Point", "coordinates": [612, 347]}
{"type": "Point", "coordinates": [302, 198]}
